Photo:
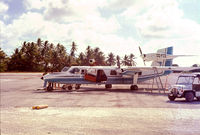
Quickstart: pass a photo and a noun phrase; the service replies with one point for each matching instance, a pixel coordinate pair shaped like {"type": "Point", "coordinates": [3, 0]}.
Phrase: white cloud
{"type": "Point", "coordinates": [3, 7]}
{"type": "Point", "coordinates": [3, 10]}
{"type": "Point", "coordinates": [31, 25]}
{"type": "Point", "coordinates": [161, 24]}
{"type": "Point", "coordinates": [34, 4]}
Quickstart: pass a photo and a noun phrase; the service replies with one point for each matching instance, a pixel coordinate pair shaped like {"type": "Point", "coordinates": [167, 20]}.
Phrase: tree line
{"type": "Point", "coordinates": [43, 56]}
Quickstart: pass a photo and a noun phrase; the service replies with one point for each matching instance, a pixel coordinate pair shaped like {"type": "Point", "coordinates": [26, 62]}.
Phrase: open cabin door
{"type": "Point", "coordinates": [95, 75]}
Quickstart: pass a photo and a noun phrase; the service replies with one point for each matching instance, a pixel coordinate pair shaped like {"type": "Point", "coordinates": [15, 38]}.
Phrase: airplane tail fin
{"type": "Point", "coordinates": [168, 62]}
{"type": "Point", "coordinates": [163, 57]}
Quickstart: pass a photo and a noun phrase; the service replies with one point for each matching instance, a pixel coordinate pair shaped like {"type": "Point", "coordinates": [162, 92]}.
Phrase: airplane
{"type": "Point", "coordinates": [75, 76]}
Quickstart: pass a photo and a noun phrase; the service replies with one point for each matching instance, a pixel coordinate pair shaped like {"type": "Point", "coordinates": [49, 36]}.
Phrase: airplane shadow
{"type": "Point", "coordinates": [183, 101]}
{"type": "Point", "coordinates": [88, 90]}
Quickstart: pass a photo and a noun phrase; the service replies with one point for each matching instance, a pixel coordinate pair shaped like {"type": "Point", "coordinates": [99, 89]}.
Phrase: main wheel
{"type": "Point", "coordinates": [198, 98]}
{"type": "Point", "coordinates": [189, 96]}
{"type": "Point", "coordinates": [134, 87]}
{"type": "Point", "coordinates": [108, 86]}
{"type": "Point", "coordinates": [69, 87]}
{"type": "Point", "coordinates": [77, 86]}
{"type": "Point", "coordinates": [171, 98]}
{"type": "Point", "coordinates": [64, 87]}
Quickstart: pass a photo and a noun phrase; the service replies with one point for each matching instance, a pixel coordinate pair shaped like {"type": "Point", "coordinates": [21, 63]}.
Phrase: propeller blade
{"type": "Point", "coordinates": [142, 55]}
{"type": "Point", "coordinates": [140, 50]}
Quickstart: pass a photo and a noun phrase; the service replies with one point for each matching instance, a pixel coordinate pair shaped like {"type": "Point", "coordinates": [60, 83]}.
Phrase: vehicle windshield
{"type": "Point", "coordinates": [185, 80]}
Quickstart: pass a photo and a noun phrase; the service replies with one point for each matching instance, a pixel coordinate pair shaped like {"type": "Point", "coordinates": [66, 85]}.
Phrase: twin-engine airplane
{"type": "Point", "coordinates": [109, 75]}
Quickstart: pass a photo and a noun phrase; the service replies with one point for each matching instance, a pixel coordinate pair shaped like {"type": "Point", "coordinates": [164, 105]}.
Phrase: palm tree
{"type": "Point", "coordinates": [3, 61]}
{"type": "Point", "coordinates": [99, 57]}
{"type": "Point", "coordinates": [89, 54]}
{"type": "Point", "coordinates": [23, 46]}
{"type": "Point", "coordinates": [39, 42]}
{"type": "Point", "coordinates": [125, 61]}
{"type": "Point", "coordinates": [73, 49]}
{"type": "Point", "coordinates": [81, 59]}
{"type": "Point", "coordinates": [16, 62]}
{"type": "Point", "coordinates": [111, 59]}
{"type": "Point", "coordinates": [118, 61]}
{"type": "Point", "coordinates": [131, 59]}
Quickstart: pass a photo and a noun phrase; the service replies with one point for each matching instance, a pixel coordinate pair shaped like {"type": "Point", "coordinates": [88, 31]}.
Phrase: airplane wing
{"type": "Point", "coordinates": [134, 70]}
{"type": "Point", "coordinates": [139, 69]}
{"type": "Point", "coordinates": [131, 71]}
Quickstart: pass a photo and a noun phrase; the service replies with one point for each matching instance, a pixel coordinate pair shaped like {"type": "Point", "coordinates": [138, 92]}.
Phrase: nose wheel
{"type": "Point", "coordinates": [134, 87]}
{"type": "Point", "coordinates": [50, 87]}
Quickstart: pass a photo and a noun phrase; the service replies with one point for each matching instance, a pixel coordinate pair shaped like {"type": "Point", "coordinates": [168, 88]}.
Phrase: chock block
{"type": "Point", "coordinates": [37, 107]}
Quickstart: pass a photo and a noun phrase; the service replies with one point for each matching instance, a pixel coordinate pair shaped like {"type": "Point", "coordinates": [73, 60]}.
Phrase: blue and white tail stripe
{"type": "Point", "coordinates": [168, 62]}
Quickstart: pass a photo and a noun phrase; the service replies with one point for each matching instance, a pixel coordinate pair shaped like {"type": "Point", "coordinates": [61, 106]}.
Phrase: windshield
{"type": "Point", "coordinates": [185, 80]}
{"type": "Point", "coordinates": [65, 69]}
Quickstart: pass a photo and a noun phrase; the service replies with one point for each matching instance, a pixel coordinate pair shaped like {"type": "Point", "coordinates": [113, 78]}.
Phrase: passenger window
{"type": "Point", "coordinates": [74, 70]}
{"type": "Point", "coordinates": [113, 72]}
{"type": "Point", "coordinates": [82, 71]}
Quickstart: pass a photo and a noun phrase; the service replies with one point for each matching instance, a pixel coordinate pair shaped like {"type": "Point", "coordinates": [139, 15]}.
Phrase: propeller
{"type": "Point", "coordinates": [142, 55]}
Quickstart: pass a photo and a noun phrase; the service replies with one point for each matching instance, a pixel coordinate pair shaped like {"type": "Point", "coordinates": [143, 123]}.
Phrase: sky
{"type": "Point", "coordinates": [117, 26]}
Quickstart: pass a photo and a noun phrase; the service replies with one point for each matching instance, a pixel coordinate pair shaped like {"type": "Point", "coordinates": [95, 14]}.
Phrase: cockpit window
{"type": "Point", "coordinates": [65, 69]}
{"type": "Point", "coordinates": [74, 70]}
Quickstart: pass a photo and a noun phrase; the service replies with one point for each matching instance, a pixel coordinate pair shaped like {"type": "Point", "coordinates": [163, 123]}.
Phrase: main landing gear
{"type": "Point", "coordinates": [134, 87]}
{"type": "Point", "coordinates": [108, 86]}
{"type": "Point", "coordinates": [50, 87]}
{"type": "Point", "coordinates": [70, 87]}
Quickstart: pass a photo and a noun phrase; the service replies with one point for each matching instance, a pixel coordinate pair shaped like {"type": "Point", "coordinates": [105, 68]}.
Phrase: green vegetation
{"type": "Point", "coordinates": [3, 61]}
{"type": "Point", "coordinates": [43, 56]}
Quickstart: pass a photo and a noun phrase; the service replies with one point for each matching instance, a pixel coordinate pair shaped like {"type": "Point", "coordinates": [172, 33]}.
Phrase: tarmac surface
{"type": "Point", "coordinates": [91, 110]}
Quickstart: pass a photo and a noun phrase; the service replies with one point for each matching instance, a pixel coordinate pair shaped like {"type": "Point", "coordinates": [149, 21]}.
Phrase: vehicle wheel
{"type": "Point", "coordinates": [77, 86]}
{"type": "Point", "coordinates": [198, 98]}
{"type": "Point", "coordinates": [134, 87]}
{"type": "Point", "coordinates": [189, 96]}
{"type": "Point", "coordinates": [171, 98]}
{"type": "Point", "coordinates": [69, 87]}
{"type": "Point", "coordinates": [108, 86]}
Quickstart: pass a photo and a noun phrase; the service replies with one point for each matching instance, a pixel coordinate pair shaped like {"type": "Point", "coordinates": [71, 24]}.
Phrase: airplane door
{"type": "Point", "coordinates": [101, 76]}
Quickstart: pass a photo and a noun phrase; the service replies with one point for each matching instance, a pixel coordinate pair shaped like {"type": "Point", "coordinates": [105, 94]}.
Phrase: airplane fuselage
{"type": "Point", "coordinates": [114, 75]}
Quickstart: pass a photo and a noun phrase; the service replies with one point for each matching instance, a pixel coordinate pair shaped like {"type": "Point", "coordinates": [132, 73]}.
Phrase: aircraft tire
{"type": "Point", "coordinates": [198, 98]}
{"type": "Point", "coordinates": [77, 86]}
{"type": "Point", "coordinates": [134, 87]}
{"type": "Point", "coordinates": [69, 87]}
{"type": "Point", "coordinates": [189, 96]}
{"type": "Point", "coordinates": [108, 86]}
{"type": "Point", "coordinates": [64, 87]}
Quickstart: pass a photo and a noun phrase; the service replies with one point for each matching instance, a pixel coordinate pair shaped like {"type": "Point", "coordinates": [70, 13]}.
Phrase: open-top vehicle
{"type": "Point", "coordinates": [187, 86]}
